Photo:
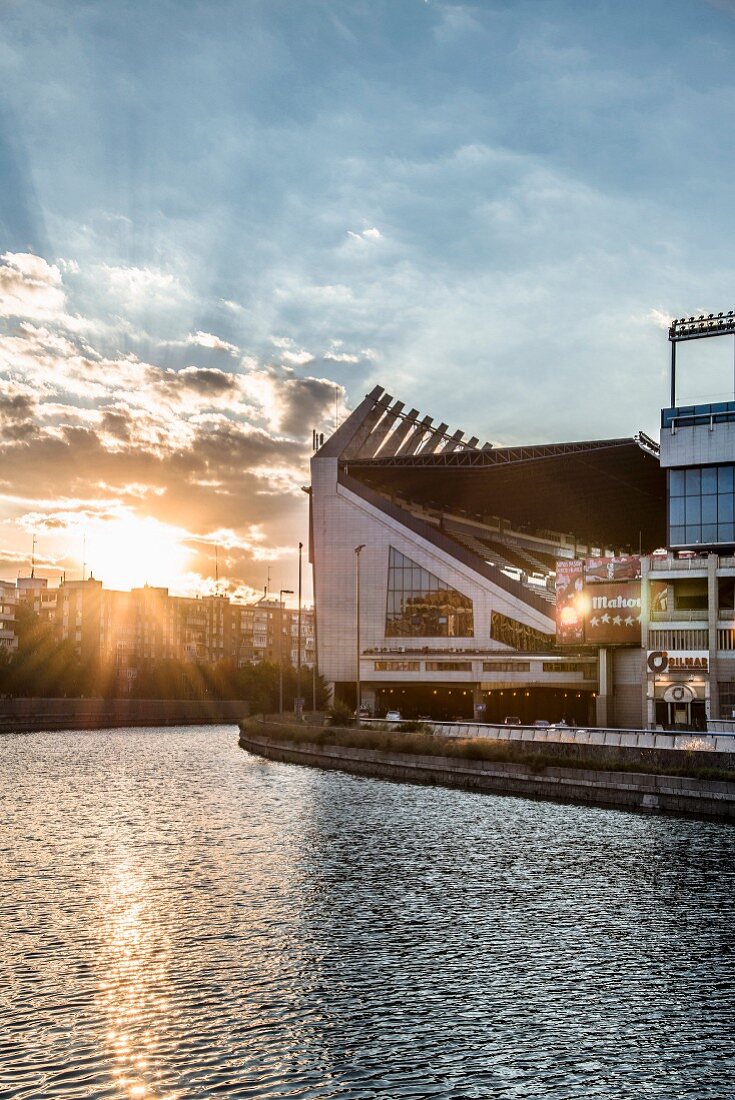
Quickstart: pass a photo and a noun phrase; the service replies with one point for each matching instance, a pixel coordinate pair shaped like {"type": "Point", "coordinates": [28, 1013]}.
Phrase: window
{"type": "Point", "coordinates": [506, 666]}
{"type": "Point", "coordinates": [524, 638]}
{"type": "Point", "coordinates": [397, 666]}
{"type": "Point", "coordinates": [726, 594]}
{"type": "Point", "coordinates": [448, 666]}
{"type": "Point", "coordinates": [421, 606]}
{"type": "Point", "coordinates": [690, 594]}
{"type": "Point", "coordinates": [727, 699]}
{"type": "Point", "coordinates": [701, 506]}
{"type": "Point", "coordinates": [588, 669]}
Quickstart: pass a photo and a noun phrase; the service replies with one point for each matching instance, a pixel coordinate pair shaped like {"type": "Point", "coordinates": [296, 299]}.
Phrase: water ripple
{"type": "Point", "coordinates": [181, 919]}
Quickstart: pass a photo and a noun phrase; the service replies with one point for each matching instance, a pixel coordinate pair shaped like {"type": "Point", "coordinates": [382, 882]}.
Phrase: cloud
{"type": "Point", "coordinates": [30, 287]}
{"type": "Point", "coordinates": [133, 288]}
{"type": "Point", "coordinates": [207, 340]}
{"type": "Point", "coordinates": [366, 235]}
{"type": "Point", "coordinates": [659, 318]}
{"type": "Point", "coordinates": [297, 357]}
{"type": "Point", "coordinates": [307, 403]}
{"type": "Point", "coordinates": [122, 438]}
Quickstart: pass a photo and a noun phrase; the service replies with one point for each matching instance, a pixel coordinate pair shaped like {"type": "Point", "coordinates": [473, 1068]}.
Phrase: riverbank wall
{"type": "Point", "coordinates": [631, 790]}
{"type": "Point", "coordinates": [34, 715]}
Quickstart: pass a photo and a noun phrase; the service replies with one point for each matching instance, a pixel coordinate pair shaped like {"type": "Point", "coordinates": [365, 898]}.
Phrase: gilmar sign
{"type": "Point", "coordinates": [693, 660]}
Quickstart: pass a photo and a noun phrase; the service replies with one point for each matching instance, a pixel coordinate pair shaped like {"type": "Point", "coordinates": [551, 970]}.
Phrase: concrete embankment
{"type": "Point", "coordinates": [32, 715]}
{"type": "Point", "coordinates": [610, 748]}
{"type": "Point", "coordinates": [633, 790]}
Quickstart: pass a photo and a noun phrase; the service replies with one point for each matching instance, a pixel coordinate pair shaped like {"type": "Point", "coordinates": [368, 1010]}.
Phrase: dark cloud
{"type": "Point", "coordinates": [16, 406]}
{"type": "Point", "coordinates": [305, 403]}
{"type": "Point", "coordinates": [202, 381]}
{"type": "Point", "coordinates": [117, 422]}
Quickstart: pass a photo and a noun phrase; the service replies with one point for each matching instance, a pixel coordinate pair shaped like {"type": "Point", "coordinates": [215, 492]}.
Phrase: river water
{"type": "Point", "coordinates": [182, 919]}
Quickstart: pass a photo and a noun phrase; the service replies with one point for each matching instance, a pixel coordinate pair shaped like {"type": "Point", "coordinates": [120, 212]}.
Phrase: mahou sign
{"type": "Point", "coordinates": [598, 601]}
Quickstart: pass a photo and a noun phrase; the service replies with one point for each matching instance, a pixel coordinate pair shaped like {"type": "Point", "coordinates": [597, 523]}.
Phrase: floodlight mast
{"type": "Point", "coordinates": [697, 328]}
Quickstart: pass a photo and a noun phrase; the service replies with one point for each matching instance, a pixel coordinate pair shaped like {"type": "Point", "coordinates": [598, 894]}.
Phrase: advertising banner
{"type": "Point", "coordinates": [570, 602]}
{"type": "Point", "coordinates": [598, 601]}
{"type": "Point", "coordinates": [606, 570]}
{"type": "Point", "coordinates": [614, 616]}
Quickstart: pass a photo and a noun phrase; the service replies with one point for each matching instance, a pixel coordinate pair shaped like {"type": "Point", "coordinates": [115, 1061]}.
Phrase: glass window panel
{"type": "Point", "coordinates": [725, 532]}
{"type": "Point", "coordinates": [709, 479]}
{"type": "Point", "coordinates": [420, 605]}
{"type": "Point", "coordinates": [709, 532]}
{"type": "Point", "coordinates": [693, 510]}
{"type": "Point", "coordinates": [676, 511]}
{"type": "Point", "coordinates": [693, 481]}
{"type": "Point", "coordinates": [709, 509]}
{"type": "Point", "coordinates": [694, 534]}
{"type": "Point", "coordinates": [724, 479]}
{"type": "Point", "coordinates": [678, 536]}
{"type": "Point", "coordinates": [676, 483]}
{"type": "Point", "coordinates": [725, 508]}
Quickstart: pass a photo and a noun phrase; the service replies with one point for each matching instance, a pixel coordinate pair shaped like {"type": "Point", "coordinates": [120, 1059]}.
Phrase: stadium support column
{"type": "Point", "coordinates": [479, 709]}
{"type": "Point", "coordinates": [604, 692]}
{"type": "Point", "coordinates": [648, 679]}
{"type": "Point", "coordinates": [712, 698]}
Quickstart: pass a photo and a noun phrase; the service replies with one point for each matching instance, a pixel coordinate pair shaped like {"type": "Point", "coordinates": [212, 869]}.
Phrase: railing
{"type": "Point", "coordinates": [685, 739]}
{"type": "Point", "coordinates": [681, 615]}
{"type": "Point", "coordinates": [690, 416]}
{"type": "Point", "coordinates": [683, 565]}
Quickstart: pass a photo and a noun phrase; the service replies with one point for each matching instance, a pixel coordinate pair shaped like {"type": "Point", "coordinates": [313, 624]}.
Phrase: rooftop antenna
{"type": "Point", "coordinates": [267, 581]}
{"type": "Point", "coordinates": [33, 558]}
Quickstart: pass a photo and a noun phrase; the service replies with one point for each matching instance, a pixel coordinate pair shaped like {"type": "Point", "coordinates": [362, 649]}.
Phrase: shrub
{"type": "Point", "coordinates": [340, 714]}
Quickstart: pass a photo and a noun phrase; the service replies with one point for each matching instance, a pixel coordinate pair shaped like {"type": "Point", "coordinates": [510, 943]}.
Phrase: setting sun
{"type": "Point", "coordinates": [127, 552]}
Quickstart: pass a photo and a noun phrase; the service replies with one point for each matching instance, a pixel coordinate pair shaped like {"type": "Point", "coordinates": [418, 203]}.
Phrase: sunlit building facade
{"type": "Point", "coordinates": [8, 601]}
{"type": "Point", "coordinates": [146, 626]}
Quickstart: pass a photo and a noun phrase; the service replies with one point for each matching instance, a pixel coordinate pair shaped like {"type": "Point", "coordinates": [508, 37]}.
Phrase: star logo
{"type": "Point", "coordinates": [605, 618]}
{"type": "Point", "coordinates": [617, 620]}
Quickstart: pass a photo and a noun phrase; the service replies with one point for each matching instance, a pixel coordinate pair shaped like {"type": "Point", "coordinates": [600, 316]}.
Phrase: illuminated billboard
{"type": "Point", "coordinates": [598, 601]}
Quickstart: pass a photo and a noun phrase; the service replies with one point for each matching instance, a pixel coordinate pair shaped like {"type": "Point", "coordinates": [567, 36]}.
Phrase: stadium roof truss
{"type": "Point", "coordinates": [610, 492]}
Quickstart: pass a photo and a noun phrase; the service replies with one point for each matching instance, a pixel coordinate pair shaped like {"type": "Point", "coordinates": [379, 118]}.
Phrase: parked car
{"type": "Point", "coordinates": [364, 712]}
{"type": "Point", "coordinates": [542, 723]}
{"type": "Point", "coordinates": [393, 716]}
{"type": "Point", "coordinates": [511, 720]}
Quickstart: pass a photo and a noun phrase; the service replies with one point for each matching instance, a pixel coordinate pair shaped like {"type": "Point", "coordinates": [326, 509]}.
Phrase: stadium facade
{"type": "Point", "coordinates": [450, 548]}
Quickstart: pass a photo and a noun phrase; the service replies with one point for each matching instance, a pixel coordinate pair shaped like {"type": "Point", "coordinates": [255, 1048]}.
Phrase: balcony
{"type": "Point", "coordinates": [681, 615]}
{"type": "Point", "coordinates": [679, 565]}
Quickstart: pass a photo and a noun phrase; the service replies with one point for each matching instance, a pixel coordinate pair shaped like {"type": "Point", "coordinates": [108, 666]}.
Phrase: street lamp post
{"type": "Point", "coordinates": [298, 645]}
{"type": "Point", "coordinates": [283, 592]}
{"type": "Point", "coordinates": [358, 691]}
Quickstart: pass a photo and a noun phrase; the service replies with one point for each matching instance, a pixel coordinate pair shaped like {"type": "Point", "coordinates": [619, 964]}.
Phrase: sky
{"type": "Point", "coordinates": [223, 222]}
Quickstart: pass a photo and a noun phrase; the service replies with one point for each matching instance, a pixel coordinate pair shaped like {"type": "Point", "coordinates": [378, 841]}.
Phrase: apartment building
{"type": "Point", "coordinates": [147, 625]}
{"type": "Point", "coordinates": [8, 601]}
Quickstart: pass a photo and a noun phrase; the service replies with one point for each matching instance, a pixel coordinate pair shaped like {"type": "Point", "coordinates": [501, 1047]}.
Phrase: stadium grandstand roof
{"type": "Point", "coordinates": [610, 492]}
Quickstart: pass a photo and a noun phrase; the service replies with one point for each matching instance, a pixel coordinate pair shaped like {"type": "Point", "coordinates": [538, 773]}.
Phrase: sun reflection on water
{"type": "Point", "coordinates": [135, 961]}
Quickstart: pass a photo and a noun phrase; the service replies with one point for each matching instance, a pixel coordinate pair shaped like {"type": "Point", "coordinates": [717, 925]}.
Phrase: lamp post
{"type": "Point", "coordinates": [358, 692]}
{"type": "Point", "coordinates": [298, 645]}
{"type": "Point", "coordinates": [283, 592]}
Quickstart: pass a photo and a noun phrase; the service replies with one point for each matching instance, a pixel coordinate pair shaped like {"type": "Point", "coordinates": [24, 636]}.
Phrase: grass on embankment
{"type": "Point", "coordinates": [502, 752]}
